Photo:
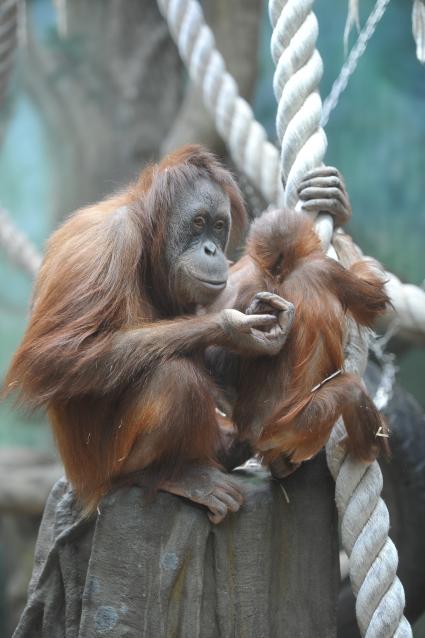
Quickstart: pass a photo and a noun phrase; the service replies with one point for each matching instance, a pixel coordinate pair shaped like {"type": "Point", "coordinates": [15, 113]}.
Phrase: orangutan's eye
{"type": "Point", "coordinates": [199, 223]}
{"type": "Point", "coordinates": [219, 225]}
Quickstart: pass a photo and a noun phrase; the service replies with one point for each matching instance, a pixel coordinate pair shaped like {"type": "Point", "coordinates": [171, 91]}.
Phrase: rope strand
{"type": "Point", "coordinates": [352, 61]}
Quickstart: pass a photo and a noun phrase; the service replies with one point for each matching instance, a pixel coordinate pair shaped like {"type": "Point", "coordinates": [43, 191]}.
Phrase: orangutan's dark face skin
{"type": "Point", "coordinates": [199, 232]}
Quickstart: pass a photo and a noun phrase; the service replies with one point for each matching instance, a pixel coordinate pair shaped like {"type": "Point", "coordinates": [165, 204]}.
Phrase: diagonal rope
{"type": "Point", "coordinates": [18, 248]}
{"type": "Point", "coordinates": [246, 138]}
{"type": "Point", "coordinates": [352, 61]}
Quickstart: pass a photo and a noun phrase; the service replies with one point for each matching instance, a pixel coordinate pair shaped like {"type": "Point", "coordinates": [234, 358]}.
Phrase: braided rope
{"type": "Point", "coordinates": [17, 246]}
{"type": "Point", "coordinates": [247, 140]}
{"type": "Point", "coordinates": [296, 81]}
{"type": "Point", "coordinates": [352, 61]}
{"type": "Point", "coordinates": [353, 20]}
{"type": "Point", "coordinates": [363, 514]}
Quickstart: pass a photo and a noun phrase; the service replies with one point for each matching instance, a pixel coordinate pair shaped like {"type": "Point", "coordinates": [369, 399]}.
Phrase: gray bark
{"type": "Point", "coordinates": [159, 568]}
{"type": "Point", "coordinates": [108, 95]}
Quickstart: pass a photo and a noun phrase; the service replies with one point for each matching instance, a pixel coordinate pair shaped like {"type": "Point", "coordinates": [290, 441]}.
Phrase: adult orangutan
{"type": "Point", "coordinates": [114, 349]}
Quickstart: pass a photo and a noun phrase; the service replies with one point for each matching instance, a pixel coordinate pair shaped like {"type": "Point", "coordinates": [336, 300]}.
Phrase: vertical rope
{"type": "Point", "coordinates": [296, 81]}
{"type": "Point", "coordinates": [363, 514]}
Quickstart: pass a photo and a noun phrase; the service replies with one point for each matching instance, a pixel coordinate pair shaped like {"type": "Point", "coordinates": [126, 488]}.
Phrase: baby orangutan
{"type": "Point", "coordinates": [285, 406]}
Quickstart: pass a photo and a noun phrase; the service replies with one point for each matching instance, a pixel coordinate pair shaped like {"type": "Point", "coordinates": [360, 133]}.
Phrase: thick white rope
{"type": "Point", "coordinates": [353, 58]}
{"type": "Point", "coordinates": [296, 81]}
{"type": "Point", "coordinates": [418, 28]}
{"type": "Point", "coordinates": [363, 514]}
{"type": "Point", "coordinates": [233, 116]}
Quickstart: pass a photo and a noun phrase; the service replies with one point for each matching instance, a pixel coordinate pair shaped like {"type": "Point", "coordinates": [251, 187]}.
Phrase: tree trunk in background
{"type": "Point", "coordinates": [109, 93]}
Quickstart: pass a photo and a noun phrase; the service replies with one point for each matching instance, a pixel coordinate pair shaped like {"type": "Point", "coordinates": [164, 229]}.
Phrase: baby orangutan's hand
{"type": "Point", "coordinates": [269, 303]}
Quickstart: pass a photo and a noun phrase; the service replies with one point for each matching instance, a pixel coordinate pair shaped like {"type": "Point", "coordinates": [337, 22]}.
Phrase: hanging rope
{"type": "Point", "coordinates": [353, 20]}
{"type": "Point", "coordinates": [296, 80]}
{"type": "Point", "coordinates": [352, 61]}
{"type": "Point", "coordinates": [364, 533]}
{"type": "Point", "coordinates": [17, 246]}
{"type": "Point", "coordinates": [418, 28]}
{"type": "Point", "coordinates": [363, 514]}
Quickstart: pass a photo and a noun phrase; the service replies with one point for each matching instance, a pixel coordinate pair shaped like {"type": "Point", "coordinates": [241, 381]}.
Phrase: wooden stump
{"type": "Point", "coordinates": [159, 569]}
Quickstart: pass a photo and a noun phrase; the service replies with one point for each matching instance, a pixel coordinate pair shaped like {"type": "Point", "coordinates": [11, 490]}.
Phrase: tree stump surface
{"type": "Point", "coordinates": [159, 569]}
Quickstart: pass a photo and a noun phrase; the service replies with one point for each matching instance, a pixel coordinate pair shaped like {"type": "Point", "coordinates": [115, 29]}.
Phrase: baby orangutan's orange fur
{"type": "Point", "coordinates": [277, 407]}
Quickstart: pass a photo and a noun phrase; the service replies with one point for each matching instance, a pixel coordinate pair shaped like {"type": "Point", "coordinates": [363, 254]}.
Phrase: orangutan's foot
{"type": "Point", "coordinates": [210, 487]}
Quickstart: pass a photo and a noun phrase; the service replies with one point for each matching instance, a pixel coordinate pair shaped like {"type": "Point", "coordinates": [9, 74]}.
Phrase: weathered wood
{"type": "Point", "coordinates": [159, 568]}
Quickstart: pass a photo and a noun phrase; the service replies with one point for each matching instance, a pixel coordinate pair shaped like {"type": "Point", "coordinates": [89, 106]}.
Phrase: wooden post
{"type": "Point", "coordinates": [159, 569]}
